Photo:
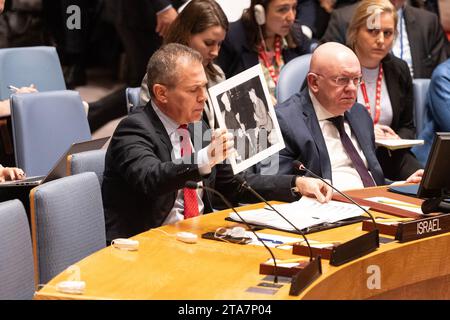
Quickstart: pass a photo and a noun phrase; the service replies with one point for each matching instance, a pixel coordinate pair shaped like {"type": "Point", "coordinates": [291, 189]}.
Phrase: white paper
{"type": "Point", "coordinates": [303, 213]}
{"type": "Point", "coordinates": [398, 143]}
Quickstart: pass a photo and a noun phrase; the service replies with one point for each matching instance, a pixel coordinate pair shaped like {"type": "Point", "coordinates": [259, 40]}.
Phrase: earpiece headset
{"type": "Point", "coordinates": [260, 14]}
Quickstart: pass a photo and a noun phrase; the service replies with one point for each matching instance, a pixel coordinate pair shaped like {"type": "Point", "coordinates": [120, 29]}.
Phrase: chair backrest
{"type": "Point", "coordinates": [67, 223]}
{"type": "Point", "coordinates": [16, 255]}
{"type": "Point", "coordinates": [45, 124]}
{"type": "Point", "coordinates": [420, 90]}
{"type": "Point", "coordinates": [132, 98]}
{"type": "Point", "coordinates": [292, 76]}
{"type": "Point", "coordinates": [30, 65]}
{"type": "Point", "coordinates": [88, 161]}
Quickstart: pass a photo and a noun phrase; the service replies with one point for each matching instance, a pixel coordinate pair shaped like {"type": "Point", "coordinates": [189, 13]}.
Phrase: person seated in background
{"type": "Point", "coordinates": [8, 174]}
{"type": "Point", "coordinates": [201, 25]}
{"type": "Point", "coordinates": [437, 110]}
{"type": "Point", "coordinates": [386, 89]}
{"type": "Point", "coordinates": [325, 129]}
{"type": "Point", "coordinates": [151, 155]}
{"type": "Point", "coordinates": [5, 108]}
{"type": "Point", "coordinates": [421, 41]}
{"type": "Point", "coordinates": [265, 35]}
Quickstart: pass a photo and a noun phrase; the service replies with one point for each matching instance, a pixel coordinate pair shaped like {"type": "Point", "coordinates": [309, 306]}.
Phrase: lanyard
{"type": "Point", "coordinates": [377, 96]}
{"type": "Point", "coordinates": [269, 64]}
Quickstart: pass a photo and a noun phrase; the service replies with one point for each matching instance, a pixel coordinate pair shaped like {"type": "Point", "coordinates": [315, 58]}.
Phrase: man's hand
{"type": "Point", "coordinates": [30, 89]}
{"type": "Point", "coordinates": [11, 174]}
{"type": "Point", "coordinates": [384, 132]}
{"type": "Point", "coordinates": [164, 20]}
{"type": "Point", "coordinates": [416, 177]}
{"type": "Point", "coordinates": [221, 146]}
{"type": "Point", "coordinates": [312, 187]}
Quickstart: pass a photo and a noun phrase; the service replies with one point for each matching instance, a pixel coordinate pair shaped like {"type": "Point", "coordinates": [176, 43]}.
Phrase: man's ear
{"type": "Point", "coordinates": [160, 92]}
{"type": "Point", "coordinates": [312, 82]}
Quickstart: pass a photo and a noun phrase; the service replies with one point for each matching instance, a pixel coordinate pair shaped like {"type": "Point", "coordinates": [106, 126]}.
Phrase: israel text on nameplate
{"type": "Point", "coordinates": [423, 228]}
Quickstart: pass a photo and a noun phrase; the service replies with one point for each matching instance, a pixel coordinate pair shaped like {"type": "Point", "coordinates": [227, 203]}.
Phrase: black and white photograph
{"type": "Point", "coordinates": [243, 106]}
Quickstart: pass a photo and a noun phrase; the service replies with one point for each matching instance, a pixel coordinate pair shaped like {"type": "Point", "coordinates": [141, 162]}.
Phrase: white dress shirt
{"type": "Point", "coordinates": [401, 48]}
{"type": "Point", "coordinates": [344, 174]}
{"type": "Point", "coordinates": [177, 212]}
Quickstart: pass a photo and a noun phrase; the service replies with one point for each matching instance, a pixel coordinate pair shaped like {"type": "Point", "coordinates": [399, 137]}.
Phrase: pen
{"type": "Point", "coordinates": [273, 241]}
{"type": "Point", "coordinates": [393, 219]}
{"type": "Point", "coordinates": [12, 88]}
{"type": "Point", "coordinates": [410, 205]}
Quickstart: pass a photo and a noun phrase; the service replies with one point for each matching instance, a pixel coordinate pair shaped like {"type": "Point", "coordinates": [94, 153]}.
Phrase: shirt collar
{"type": "Point", "coordinates": [170, 125]}
{"type": "Point", "coordinates": [321, 112]}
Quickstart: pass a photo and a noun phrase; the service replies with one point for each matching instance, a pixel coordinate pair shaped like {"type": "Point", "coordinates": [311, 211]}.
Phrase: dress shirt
{"type": "Point", "coordinates": [401, 48]}
{"type": "Point", "coordinates": [344, 174]}
{"type": "Point", "coordinates": [177, 212]}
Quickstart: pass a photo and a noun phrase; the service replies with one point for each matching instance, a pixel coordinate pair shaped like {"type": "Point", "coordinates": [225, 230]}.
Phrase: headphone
{"type": "Point", "coordinates": [260, 14]}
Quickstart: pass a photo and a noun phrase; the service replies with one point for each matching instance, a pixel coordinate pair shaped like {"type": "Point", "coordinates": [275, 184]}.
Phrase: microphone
{"type": "Point", "coordinates": [194, 185]}
{"type": "Point", "coordinates": [301, 167]}
{"type": "Point", "coordinates": [244, 184]}
{"type": "Point", "coordinates": [435, 205]}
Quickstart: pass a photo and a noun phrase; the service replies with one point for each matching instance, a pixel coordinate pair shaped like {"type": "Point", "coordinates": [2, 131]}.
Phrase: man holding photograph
{"type": "Point", "coordinates": [150, 158]}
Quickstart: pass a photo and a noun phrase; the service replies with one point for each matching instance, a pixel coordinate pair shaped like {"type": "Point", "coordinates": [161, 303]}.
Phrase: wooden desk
{"type": "Point", "coordinates": [164, 268]}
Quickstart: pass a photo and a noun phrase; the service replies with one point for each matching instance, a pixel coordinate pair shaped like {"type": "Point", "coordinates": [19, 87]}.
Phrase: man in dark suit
{"type": "Point", "coordinates": [147, 164]}
{"type": "Point", "coordinates": [141, 24]}
{"type": "Point", "coordinates": [424, 34]}
{"type": "Point", "coordinates": [313, 123]}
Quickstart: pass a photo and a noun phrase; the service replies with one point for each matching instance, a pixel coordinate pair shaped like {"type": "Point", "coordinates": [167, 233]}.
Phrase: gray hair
{"type": "Point", "coordinates": [163, 65]}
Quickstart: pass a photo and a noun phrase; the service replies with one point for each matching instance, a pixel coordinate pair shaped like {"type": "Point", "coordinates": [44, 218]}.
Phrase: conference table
{"type": "Point", "coordinates": [166, 268]}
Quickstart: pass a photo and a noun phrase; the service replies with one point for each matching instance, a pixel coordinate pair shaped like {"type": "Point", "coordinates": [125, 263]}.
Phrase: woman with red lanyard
{"type": "Point", "coordinates": [386, 88]}
{"type": "Point", "coordinates": [266, 34]}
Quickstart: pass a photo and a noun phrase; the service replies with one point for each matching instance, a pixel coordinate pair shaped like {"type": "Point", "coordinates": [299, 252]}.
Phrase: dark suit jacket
{"type": "Point", "coordinates": [141, 180]}
{"type": "Point", "coordinates": [425, 34]}
{"type": "Point", "coordinates": [236, 55]}
{"type": "Point", "coordinates": [305, 142]}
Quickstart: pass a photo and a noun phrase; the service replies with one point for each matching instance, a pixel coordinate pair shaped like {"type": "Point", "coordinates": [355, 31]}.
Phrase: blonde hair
{"type": "Point", "coordinates": [365, 11]}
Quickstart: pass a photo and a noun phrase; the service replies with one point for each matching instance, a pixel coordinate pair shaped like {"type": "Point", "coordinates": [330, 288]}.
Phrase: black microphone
{"type": "Point", "coordinates": [244, 184]}
{"type": "Point", "coordinates": [301, 167]}
{"type": "Point", "coordinates": [194, 185]}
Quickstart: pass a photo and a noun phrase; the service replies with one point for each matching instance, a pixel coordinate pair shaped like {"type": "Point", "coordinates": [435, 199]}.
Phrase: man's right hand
{"type": "Point", "coordinates": [221, 146]}
{"type": "Point", "coordinates": [164, 20]}
{"type": "Point", "coordinates": [314, 188]}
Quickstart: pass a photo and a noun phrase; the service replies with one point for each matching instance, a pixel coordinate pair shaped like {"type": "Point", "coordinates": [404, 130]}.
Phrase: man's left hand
{"type": "Point", "coordinates": [164, 20]}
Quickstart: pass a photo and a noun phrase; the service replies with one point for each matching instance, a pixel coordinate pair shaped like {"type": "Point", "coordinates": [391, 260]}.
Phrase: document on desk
{"type": "Point", "coordinates": [304, 213]}
{"type": "Point", "coordinates": [394, 144]}
{"type": "Point", "coordinates": [397, 204]}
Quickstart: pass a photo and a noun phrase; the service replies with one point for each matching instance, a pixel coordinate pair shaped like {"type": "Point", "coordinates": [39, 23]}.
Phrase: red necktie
{"type": "Point", "coordinates": [190, 195]}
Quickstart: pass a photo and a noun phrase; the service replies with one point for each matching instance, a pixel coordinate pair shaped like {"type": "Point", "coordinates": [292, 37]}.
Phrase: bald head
{"type": "Point", "coordinates": [330, 56]}
{"type": "Point", "coordinates": [333, 78]}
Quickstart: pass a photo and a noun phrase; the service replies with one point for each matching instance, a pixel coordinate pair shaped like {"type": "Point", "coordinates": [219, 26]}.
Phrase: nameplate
{"type": "Point", "coordinates": [303, 278]}
{"type": "Point", "coordinates": [355, 248]}
{"type": "Point", "coordinates": [423, 228]}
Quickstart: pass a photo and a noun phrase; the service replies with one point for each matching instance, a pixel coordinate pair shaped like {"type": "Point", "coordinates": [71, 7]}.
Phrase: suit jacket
{"type": "Point", "coordinates": [437, 110]}
{"type": "Point", "coordinates": [236, 55]}
{"type": "Point", "coordinates": [399, 164]}
{"type": "Point", "coordinates": [305, 142]}
{"type": "Point", "coordinates": [425, 34]}
{"type": "Point", "coordinates": [141, 180]}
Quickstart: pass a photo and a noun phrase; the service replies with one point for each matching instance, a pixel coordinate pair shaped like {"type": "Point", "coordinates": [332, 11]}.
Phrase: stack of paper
{"type": "Point", "coordinates": [303, 213]}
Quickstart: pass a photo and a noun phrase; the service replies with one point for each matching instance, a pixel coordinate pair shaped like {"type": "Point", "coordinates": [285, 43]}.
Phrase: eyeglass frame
{"type": "Point", "coordinates": [348, 79]}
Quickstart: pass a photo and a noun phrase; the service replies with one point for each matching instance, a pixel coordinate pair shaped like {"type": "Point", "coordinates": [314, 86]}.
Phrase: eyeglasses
{"type": "Point", "coordinates": [343, 81]}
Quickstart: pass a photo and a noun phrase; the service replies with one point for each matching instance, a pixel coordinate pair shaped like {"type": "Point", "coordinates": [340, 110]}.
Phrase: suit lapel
{"type": "Point", "coordinates": [312, 123]}
{"type": "Point", "coordinates": [159, 129]}
{"type": "Point", "coordinates": [413, 31]}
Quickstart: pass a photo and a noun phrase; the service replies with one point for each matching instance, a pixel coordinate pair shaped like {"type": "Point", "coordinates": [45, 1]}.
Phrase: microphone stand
{"type": "Point", "coordinates": [313, 270]}
{"type": "Point", "coordinates": [354, 248]}
{"type": "Point", "coordinates": [194, 185]}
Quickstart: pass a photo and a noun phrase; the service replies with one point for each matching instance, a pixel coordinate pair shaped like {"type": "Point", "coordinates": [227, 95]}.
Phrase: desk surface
{"type": "Point", "coordinates": [164, 268]}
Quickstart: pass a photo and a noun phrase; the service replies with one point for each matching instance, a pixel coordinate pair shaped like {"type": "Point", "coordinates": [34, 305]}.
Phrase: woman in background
{"type": "Point", "coordinates": [386, 88]}
{"type": "Point", "coordinates": [202, 25]}
{"type": "Point", "coordinates": [267, 35]}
